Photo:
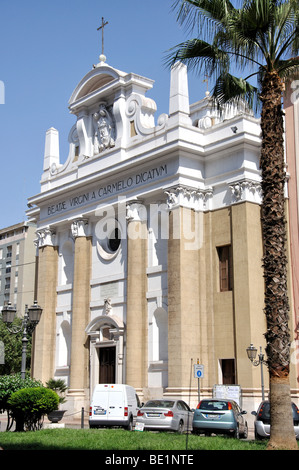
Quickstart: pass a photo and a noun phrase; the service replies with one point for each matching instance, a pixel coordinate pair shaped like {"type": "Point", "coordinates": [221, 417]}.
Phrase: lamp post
{"type": "Point", "coordinates": [251, 353]}
{"type": "Point", "coordinates": [31, 318]}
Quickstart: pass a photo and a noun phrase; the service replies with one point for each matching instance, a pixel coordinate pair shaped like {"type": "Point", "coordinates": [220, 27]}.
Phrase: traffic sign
{"type": "Point", "coordinates": [198, 371]}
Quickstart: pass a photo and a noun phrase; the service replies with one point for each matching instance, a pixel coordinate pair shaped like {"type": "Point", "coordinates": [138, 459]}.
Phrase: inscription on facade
{"type": "Point", "coordinates": [109, 290]}
{"type": "Point", "coordinates": [108, 190]}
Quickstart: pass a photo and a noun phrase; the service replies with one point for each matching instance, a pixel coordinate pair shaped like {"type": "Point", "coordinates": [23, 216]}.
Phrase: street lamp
{"type": "Point", "coordinates": [31, 318]}
{"type": "Point", "coordinates": [251, 353]}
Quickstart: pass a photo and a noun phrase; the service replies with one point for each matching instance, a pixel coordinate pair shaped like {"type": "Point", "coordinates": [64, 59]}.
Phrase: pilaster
{"type": "Point", "coordinates": [136, 321]}
{"type": "Point", "coordinates": [45, 333]}
{"type": "Point", "coordinates": [183, 288]}
{"type": "Point", "coordinates": [79, 373]}
{"type": "Point", "coordinates": [248, 288]}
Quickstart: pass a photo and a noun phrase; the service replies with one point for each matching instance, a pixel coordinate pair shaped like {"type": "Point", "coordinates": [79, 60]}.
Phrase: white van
{"type": "Point", "coordinates": [113, 405]}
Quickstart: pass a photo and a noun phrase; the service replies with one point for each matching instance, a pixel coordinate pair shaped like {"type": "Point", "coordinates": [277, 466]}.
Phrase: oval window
{"type": "Point", "coordinates": [114, 240]}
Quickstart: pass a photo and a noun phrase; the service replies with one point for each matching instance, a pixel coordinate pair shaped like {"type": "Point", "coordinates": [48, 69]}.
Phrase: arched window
{"type": "Point", "coordinates": [160, 335]}
{"type": "Point", "coordinates": [64, 344]}
{"type": "Point", "coordinates": [67, 264]}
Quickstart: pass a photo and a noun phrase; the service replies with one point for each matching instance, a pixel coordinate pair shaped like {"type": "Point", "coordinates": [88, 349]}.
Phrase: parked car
{"type": "Point", "coordinates": [262, 420]}
{"type": "Point", "coordinates": [113, 405]}
{"type": "Point", "coordinates": [165, 415]}
{"type": "Point", "coordinates": [220, 417]}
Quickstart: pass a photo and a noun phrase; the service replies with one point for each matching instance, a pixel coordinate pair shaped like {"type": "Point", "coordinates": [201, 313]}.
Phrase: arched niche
{"type": "Point", "coordinates": [66, 263]}
{"type": "Point", "coordinates": [158, 350]}
{"type": "Point", "coordinates": [106, 331]}
{"type": "Point", "coordinates": [64, 344]}
{"type": "Point", "coordinates": [160, 335]}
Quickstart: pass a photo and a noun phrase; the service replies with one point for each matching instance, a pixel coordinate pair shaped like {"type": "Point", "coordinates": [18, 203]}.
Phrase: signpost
{"type": "Point", "coordinates": [198, 374]}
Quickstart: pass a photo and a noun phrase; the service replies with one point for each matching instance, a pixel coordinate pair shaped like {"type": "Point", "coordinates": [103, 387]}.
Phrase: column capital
{"type": "Point", "coordinates": [45, 237]}
{"type": "Point", "coordinates": [191, 198]}
{"type": "Point", "coordinates": [246, 190]}
{"type": "Point", "coordinates": [136, 211]}
{"type": "Point", "coordinates": [80, 228]}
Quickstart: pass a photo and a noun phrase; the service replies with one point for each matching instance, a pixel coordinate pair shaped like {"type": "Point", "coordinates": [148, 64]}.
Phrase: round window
{"type": "Point", "coordinates": [114, 240]}
{"type": "Point", "coordinates": [108, 233]}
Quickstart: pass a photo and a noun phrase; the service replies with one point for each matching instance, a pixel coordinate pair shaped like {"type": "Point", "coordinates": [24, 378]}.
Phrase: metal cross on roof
{"type": "Point", "coordinates": [206, 80]}
{"type": "Point", "coordinates": [102, 28]}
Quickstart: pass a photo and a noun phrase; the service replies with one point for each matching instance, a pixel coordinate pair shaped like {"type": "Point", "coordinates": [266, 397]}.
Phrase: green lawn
{"type": "Point", "coordinates": [118, 439]}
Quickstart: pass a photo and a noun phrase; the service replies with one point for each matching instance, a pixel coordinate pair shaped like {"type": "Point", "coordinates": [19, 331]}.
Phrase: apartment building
{"type": "Point", "coordinates": [17, 265]}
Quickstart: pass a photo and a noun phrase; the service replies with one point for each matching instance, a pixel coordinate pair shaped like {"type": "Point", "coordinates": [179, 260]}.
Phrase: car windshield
{"type": "Point", "coordinates": [159, 404]}
{"type": "Point", "coordinates": [213, 405]}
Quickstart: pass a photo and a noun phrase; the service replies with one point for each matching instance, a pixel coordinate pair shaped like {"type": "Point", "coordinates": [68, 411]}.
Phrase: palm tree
{"type": "Point", "coordinates": [261, 36]}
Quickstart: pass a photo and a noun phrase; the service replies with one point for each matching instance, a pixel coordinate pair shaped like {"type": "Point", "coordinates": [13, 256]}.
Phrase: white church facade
{"type": "Point", "coordinates": [149, 244]}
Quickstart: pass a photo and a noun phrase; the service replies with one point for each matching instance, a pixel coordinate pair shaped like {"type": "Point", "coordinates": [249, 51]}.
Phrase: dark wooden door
{"type": "Point", "coordinates": [228, 371]}
{"type": "Point", "coordinates": [107, 365]}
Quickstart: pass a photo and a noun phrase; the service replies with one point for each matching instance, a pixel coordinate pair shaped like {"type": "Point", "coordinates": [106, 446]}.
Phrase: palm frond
{"type": "Point", "coordinates": [230, 89]}
{"type": "Point", "coordinates": [288, 68]}
{"type": "Point", "coordinates": [257, 37]}
{"type": "Point", "coordinates": [199, 55]}
{"type": "Point", "coordinates": [207, 16]}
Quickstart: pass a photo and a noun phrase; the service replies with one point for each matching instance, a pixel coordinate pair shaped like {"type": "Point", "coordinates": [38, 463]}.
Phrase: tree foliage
{"type": "Point", "coordinates": [13, 349]}
{"type": "Point", "coordinates": [10, 384]}
{"type": "Point", "coordinates": [29, 405]}
{"type": "Point", "coordinates": [259, 37]}
{"type": "Point", "coordinates": [59, 386]}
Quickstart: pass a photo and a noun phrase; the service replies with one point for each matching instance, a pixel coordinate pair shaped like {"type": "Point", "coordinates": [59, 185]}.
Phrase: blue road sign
{"type": "Point", "coordinates": [198, 371]}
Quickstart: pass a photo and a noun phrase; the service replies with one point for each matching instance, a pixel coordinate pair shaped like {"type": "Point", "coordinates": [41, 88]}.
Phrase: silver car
{"type": "Point", "coordinates": [165, 415]}
{"type": "Point", "coordinates": [220, 417]}
{"type": "Point", "coordinates": [263, 420]}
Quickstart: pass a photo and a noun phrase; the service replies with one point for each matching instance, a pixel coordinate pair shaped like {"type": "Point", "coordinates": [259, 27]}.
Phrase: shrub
{"type": "Point", "coordinates": [59, 386]}
{"type": "Point", "coordinates": [29, 405]}
{"type": "Point", "coordinates": [10, 384]}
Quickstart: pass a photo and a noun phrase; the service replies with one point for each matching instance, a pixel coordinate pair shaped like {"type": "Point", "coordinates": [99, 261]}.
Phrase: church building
{"type": "Point", "coordinates": [149, 244]}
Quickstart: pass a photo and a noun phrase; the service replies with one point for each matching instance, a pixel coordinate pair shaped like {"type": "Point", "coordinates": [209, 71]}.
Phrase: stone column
{"type": "Point", "coordinates": [183, 289]}
{"type": "Point", "coordinates": [136, 321]}
{"type": "Point", "coordinates": [79, 370]}
{"type": "Point", "coordinates": [248, 291]}
{"type": "Point", "coordinates": [43, 364]}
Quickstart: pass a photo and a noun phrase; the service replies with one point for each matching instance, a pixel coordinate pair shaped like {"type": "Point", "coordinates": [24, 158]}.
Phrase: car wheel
{"type": "Point", "coordinates": [237, 433]}
{"type": "Point", "coordinates": [181, 427]}
{"type": "Point", "coordinates": [245, 433]}
{"type": "Point", "coordinates": [257, 436]}
{"type": "Point", "coordinates": [130, 425]}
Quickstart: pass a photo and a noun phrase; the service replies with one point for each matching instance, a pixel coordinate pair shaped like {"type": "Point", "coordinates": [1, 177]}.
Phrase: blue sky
{"type": "Point", "coordinates": [46, 47]}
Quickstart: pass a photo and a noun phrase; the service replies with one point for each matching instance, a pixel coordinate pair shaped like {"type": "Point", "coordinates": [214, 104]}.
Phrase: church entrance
{"type": "Point", "coordinates": [106, 350]}
{"type": "Point", "coordinates": [107, 364]}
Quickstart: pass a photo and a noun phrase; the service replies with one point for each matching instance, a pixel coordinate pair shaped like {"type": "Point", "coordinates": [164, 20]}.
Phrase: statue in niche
{"type": "Point", "coordinates": [107, 306]}
{"type": "Point", "coordinates": [104, 130]}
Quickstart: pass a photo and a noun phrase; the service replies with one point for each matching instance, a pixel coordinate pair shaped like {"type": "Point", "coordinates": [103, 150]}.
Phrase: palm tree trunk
{"type": "Point", "coordinates": [275, 264]}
